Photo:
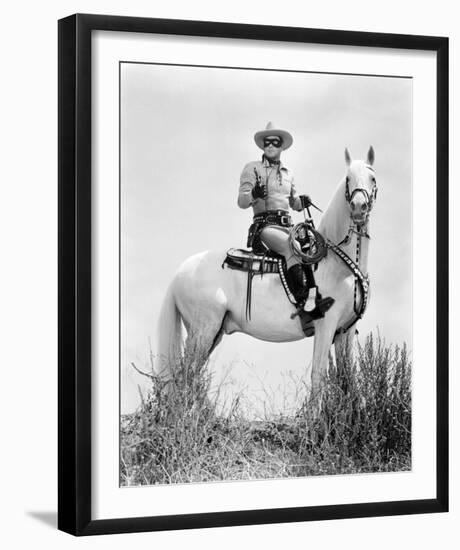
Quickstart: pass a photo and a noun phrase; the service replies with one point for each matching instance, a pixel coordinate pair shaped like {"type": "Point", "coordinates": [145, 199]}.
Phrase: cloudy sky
{"type": "Point", "coordinates": [187, 132]}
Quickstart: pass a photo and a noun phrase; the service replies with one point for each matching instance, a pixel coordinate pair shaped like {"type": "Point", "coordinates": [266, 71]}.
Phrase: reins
{"type": "Point", "coordinates": [353, 229]}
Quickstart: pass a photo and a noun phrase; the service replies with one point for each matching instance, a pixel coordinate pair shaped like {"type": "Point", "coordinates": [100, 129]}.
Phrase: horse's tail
{"type": "Point", "coordinates": [169, 335]}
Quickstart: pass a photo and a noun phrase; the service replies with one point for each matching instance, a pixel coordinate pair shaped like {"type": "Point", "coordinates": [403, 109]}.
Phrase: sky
{"type": "Point", "coordinates": [186, 133]}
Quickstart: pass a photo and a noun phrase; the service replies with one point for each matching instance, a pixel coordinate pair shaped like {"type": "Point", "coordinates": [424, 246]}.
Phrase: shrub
{"type": "Point", "coordinates": [362, 423]}
{"type": "Point", "coordinates": [364, 413]}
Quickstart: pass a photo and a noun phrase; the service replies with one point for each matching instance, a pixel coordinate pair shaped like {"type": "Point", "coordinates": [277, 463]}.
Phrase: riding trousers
{"type": "Point", "coordinates": [276, 238]}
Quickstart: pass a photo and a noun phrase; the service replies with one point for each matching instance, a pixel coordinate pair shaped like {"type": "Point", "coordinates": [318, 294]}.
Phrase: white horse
{"type": "Point", "coordinates": [211, 301]}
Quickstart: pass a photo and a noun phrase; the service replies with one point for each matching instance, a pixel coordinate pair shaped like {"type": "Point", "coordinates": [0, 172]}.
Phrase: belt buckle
{"type": "Point", "coordinates": [284, 220]}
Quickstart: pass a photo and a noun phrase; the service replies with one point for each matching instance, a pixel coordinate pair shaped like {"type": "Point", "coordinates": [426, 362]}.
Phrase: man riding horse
{"type": "Point", "coordinates": [268, 186]}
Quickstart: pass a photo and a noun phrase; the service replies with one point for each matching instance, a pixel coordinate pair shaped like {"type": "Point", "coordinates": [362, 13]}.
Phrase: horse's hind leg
{"type": "Point", "coordinates": [204, 337]}
{"type": "Point", "coordinates": [202, 303]}
{"type": "Point", "coordinates": [218, 337]}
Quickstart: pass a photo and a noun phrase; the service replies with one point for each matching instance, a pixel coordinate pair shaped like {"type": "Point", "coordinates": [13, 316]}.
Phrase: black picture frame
{"type": "Point", "coordinates": [75, 235]}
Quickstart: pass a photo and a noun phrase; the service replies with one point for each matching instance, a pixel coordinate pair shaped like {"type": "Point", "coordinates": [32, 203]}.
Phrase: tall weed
{"type": "Point", "coordinates": [362, 423]}
{"type": "Point", "coordinates": [363, 416]}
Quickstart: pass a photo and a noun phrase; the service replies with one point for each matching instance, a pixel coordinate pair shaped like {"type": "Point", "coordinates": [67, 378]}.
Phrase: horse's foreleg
{"type": "Point", "coordinates": [343, 358]}
{"type": "Point", "coordinates": [344, 348]}
{"type": "Point", "coordinates": [324, 334]}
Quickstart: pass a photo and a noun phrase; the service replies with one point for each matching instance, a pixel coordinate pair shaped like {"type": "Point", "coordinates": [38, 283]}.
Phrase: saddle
{"type": "Point", "coordinates": [260, 261]}
{"type": "Point", "coordinates": [248, 260]}
{"type": "Point", "coordinates": [259, 264]}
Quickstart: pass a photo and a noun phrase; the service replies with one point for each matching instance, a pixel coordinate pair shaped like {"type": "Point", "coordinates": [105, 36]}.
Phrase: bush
{"type": "Point", "coordinates": [363, 418]}
{"type": "Point", "coordinates": [362, 423]}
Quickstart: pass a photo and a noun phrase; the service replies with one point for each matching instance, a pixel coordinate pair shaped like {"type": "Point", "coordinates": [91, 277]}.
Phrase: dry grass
{"type": "Point", "coordinates": [362, 424]}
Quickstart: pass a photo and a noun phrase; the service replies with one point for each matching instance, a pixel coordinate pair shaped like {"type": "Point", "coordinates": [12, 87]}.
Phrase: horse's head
{"type": "Point", "coordinates": [360, 186]}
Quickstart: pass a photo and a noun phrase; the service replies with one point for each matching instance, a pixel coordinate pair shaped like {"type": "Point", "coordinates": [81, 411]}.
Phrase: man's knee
{"type": "Point", "coordinates": [276, 240]}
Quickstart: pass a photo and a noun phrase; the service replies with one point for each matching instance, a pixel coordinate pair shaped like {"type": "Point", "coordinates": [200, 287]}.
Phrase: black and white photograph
{"type": "Point", "coordinates": [229, 256]}
{"type": "Point", "coordinates": [253, 274]}
{"type": "Point", "coordinates": [266, 281]}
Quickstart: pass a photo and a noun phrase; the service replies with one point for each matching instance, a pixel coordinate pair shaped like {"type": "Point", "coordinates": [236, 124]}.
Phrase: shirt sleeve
{"type": "Point", "coordinates": [247, 183]}
{"type": "Point", "coordinates": [294, 200]}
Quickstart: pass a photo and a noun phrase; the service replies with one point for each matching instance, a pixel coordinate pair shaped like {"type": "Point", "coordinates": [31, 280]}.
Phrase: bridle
{"type": "Point", "coordinates": [360, 229]}
{"type": "Point", "coordinates": [370, 199]}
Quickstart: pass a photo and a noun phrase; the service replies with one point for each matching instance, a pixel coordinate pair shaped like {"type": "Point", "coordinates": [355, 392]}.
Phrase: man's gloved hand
{"type": "Point", "coordinates": [259, 191]}
{"type": "Point", "coordinates": [305, 200]}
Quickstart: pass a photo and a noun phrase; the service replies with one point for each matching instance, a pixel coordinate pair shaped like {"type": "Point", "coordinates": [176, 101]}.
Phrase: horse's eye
{"type": "Point", "coordinates": [373, 179]}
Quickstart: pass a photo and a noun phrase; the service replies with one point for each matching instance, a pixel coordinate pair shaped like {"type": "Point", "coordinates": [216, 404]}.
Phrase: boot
{"type": "Point", "coordinates": [316, 305]}
{"type": "Point", "coordinates": [297, 282]}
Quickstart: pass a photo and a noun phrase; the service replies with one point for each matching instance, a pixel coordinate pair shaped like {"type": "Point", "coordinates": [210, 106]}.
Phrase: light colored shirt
{"type": "Point", "coordinates": [279, 182]}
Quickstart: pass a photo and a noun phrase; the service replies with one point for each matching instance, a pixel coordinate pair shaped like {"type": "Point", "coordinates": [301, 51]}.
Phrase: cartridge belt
{"type": "Point", "coordinates": [276, 217]}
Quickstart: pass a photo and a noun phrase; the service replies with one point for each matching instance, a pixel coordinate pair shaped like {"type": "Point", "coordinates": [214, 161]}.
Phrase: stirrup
{"type": "Point", "coordinates": [322, 306]}
{"type": "Point", "coordinates": [311, 301]}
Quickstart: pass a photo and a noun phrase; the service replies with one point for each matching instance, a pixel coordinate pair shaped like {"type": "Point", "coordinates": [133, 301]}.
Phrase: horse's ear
{"type": "Point", "coordinates": [370, 156]}
{"type": "Point", "coordinates": [347, 156]}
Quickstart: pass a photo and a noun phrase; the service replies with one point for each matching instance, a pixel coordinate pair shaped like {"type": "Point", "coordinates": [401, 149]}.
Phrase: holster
{"type": "Point", "coordinates": [253, 235]}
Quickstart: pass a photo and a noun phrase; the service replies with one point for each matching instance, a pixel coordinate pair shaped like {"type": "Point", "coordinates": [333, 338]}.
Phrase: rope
{"type": "Point", "coordinates": [319, 242]}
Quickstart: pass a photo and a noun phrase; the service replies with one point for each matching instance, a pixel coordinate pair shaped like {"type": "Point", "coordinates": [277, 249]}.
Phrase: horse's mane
{"type": "Point", "coordinates": [334, 221]}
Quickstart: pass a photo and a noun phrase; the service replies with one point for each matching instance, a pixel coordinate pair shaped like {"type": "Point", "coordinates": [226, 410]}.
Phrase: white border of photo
{"type": "Point", "coordinates": [109, 500]}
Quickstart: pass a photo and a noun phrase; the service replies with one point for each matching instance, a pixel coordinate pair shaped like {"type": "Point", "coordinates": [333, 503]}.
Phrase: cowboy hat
{"type": "Point", "coordinates": [270, 130]}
